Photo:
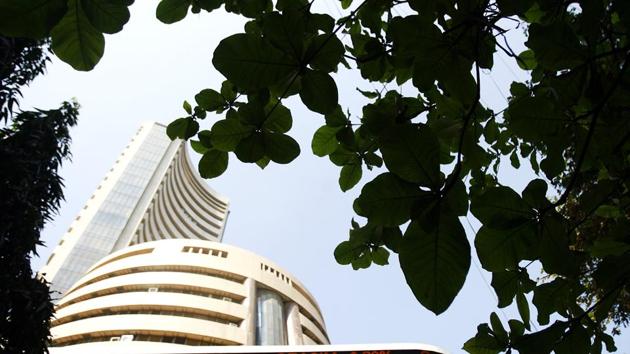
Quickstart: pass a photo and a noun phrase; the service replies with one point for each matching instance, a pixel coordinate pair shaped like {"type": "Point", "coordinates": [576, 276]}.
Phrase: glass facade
{"type": "Point", "coordinates": [270, 322]}
{"type": "Point", "coordinates": [102, 231]}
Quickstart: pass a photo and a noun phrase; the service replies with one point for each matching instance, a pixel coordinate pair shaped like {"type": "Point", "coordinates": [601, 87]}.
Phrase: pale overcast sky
{"type": "Point", "coordinates": [294, 215]}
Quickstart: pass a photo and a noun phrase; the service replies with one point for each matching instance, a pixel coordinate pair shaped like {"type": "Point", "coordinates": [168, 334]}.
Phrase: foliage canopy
{"type": "Point", "coordinates": [32, 147]}
{"type": "Point", "coordinates": [569, 122]}
{"type": "Point", "coordinates": [31, 151]}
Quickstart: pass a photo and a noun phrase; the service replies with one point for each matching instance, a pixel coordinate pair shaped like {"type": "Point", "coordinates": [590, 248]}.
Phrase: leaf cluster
{"type": "Point", "coordinates": [76, 28]}
{"type": "Point", "coordinates": [439, 150]}
{"type": "Point", "coordinates": [566, 121]}
{"type": "Point", "coordinates": [21, 60]}
{"type": "Point", "coordinates": [31, 151]}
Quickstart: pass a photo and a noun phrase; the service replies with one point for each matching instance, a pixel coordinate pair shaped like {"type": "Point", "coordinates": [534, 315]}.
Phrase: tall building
{"type": "Point", "coordinates": [151, 193]}
{"type": "Point", "coordinates": [142, 266]}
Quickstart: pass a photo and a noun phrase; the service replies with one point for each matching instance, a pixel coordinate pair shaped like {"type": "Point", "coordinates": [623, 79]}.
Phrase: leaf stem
{"type": "Point", "coordinates": [458, 165]}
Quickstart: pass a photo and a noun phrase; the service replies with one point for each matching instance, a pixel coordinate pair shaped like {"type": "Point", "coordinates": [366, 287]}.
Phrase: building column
{"type": "Point", "coordinates": [249, 324]}
{"type": "Point", "coordinates": [270, 324]}
{"type": "Point", "coordinates": [294, 326]}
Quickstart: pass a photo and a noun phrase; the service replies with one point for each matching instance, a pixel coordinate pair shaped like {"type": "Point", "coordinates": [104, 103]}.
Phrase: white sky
{"type": "Point", "coordinates": [295, 215]}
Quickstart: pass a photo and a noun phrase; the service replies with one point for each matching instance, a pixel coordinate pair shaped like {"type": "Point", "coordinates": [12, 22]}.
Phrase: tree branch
{"type": "Point", "coordinates": [595, 112]}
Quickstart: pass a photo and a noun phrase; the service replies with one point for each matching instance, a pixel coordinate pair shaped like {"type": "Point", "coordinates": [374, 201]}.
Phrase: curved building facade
{"type": "Point", "coordinates": [151, 193]}
{"type": "Point", "coordinates": [187, 292]}
{"type": "Point", "coordinates": [143, 264]}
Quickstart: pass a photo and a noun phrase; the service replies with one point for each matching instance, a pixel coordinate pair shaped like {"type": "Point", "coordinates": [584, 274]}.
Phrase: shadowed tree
{"type": "Point", "coordinates": [32, 146]}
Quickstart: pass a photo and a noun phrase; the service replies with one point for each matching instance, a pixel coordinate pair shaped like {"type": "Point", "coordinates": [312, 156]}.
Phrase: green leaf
{"type": "Point", "coordinates": [608, 211]}
{"type": "Point", "coordinates": [554, 253]}
{"type": "Point", "coordinates": [542, 341]}
{"type": "Point", "coordinates": [413, 153]}
{"type": "Point", "coordinates": [519, 89]}
{"type": "Point", "coordinates": [325, 141]}
{"type": "Point", "coordinates": [483, 342]}
{"type": "Point", "coordinates": [500, 208]}
{"type": "Point", "coordinates": [553, 165]}
{"type": "Point", "coordinates": [497, 328]}
{"type": "Point", "coordinates": [325, 52]}
{"type": "Point", "coordinates": [213, 163]}
{"type": "Point", "coordinates": [504, 249]}
{"type": "Point", "coordinates": [228, 133]}
{"type": "Point", "coordinates": [210, 100]}
{"type": "Point", "coordinates": [552, 297]}
{"type": "Point", "coordinates": [252, 113]}
{"type": "Point", "coordinates": [249, 8]}
{"type": "Point", "coordinates": [346, 137]}
{"type": "Point", "coordinates": [76, 41]}
{"type": "Point", "coordinates": [319, 92]}
{"type": "Point", "coordinates": [262, 163]}
{"type": "Point", "coordinates": [372, 159]}
{"type": "Point", "coordinates": [343, 156]}
{"type": "Point", "coordinates": [171, 11]}
{"type": "Point", "coordinates": [534, 162]}
{"type": "Point", "coordinates": [510, 8]}
{"type": "Point", "coordinates": [555, 46]}
{"type": "Point", "coordinates": [535, 118]}
{"type": "Point", "coordinates": [603, 248]}
{"type": "Point", "coordinates": [387, 200]}
{"type": "Point", "coordinates": [514, 160]}
{"type": "Point", "coordinates": [285, 31]}
{"type": "Point", "coordinates": [350, 175]}
{"type": "Point", "coordinates": [281, 148]}
{"type": "Point", "coordinates": [369, 94]}
{"type": "Point", "coordinates": [348, 251]}
{"type": "Point", "coordinates": [517, 328]}
{"type": "Point", "coordinates": [505, 284]}
{"type": "Point", "coordinates": [526, 60]}
{"type": "Point", "coordinates": [108, 16]}
{"type": "Point", "coordinates": [523, 308]}
{"type": "Point", "coordinates": [182, 128]}
{"type": "Point", "coordinates": [363, 261]}
{"type": "Point", "coordinates": [30, 18]}
{"type": "Point", "coordinates": [457, 199]}
{"type": "Point", "coordinates": [435, 57]}
{"type": "Point", "coordinates": [606, 306]}
{"type": "Point", "coordinates": [205, 138]}
{"type": "Point", "coordinates": [576, 341]}
{"type": "Point", "coordinates": [535, 194]}
{"type": "Point", "coordinates": [336, 118]}
{"type": "Point", "coordinates": [251, 148]}
{"type": "Point", "coordinates": [363, 235]}
{"type": "Point", "coordinates": [199, 113]}
{"type": "Point", "coordinates": [251, 63]}
{"type": "Point", "coordinates": [198, 147]}
{"type": "Point", "coordinates": [435, 261]}
{"type": "Point", "coordinates": [609, 341]}
{"type": "Point", "coordinates": [187, 107]}
{"type": "Point", "coordinates": [392, 238]}
{"type": "Point", "coordinates": [320, 22]}
{"type": "Point", "coordinates": [210, 5]}
{"type": "Point", "coordinates": [380, 256]}
{"type": "Point", "coordinates": [280, 120]}
{"type": "Point", "coordinates": [228, 91]}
